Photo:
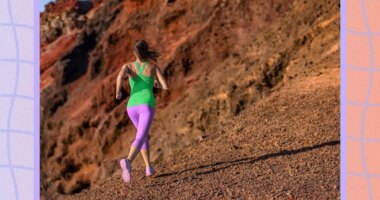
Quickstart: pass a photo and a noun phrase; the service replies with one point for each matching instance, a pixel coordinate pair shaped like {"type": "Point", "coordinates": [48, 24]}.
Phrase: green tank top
{"type": "Point", "coordinates": [141, 88]}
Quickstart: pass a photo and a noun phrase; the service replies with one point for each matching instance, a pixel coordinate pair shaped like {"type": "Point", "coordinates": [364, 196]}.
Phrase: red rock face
{"type": "Point", "coordinates": [59, 6]}
{"type": "Point", "coordinates": [218, 56]}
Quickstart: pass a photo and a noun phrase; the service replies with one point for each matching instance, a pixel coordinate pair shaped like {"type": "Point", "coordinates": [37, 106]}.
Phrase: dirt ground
{"type": "Point", "coordinates": [285, 147]}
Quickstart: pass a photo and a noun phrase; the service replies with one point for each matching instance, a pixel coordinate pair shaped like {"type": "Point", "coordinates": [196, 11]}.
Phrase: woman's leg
{"type": "Point", "coordinates": [145, 147]}
{"type": "Point", "coordinates": [146, 115]}
{"type": "Point", "coordinates": [125, 164]}
{"type": "Point", "coordinates": [146, 156]}
{"type": "Point", "coordinates": [133, 113]}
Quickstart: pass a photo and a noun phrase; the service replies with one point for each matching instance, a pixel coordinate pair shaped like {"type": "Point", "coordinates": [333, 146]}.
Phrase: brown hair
{"type": "Point", "coordinates": [144, 52]}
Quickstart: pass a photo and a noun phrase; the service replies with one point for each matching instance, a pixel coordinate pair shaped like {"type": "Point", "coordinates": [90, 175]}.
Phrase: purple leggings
{"type": "Point", "coordinates": [142, 117]}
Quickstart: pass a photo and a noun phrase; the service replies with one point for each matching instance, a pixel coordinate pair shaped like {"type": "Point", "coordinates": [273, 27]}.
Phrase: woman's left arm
{"type": "Point", "coordinates": [161, 79]}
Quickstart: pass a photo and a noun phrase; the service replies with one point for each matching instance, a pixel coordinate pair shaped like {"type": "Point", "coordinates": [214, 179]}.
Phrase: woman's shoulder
{"type": "Point", "coordinates": [151, 65]}
{"type": "Point", "coordinates": [128, 65]}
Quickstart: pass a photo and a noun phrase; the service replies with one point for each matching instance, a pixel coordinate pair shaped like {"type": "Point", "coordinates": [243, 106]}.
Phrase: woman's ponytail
{"type": "Point", "coordinates": [154, 55]}
{"type": "Point", "coordinates": [143, 51]}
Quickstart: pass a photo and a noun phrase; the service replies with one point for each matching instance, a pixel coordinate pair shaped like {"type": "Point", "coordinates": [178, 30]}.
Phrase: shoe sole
{"type": "Point", "coordinates": [125, 174]}
{"type": "Point", "coordinates": [151, 174]}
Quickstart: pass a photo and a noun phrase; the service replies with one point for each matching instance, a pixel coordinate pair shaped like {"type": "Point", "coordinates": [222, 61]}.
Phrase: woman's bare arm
{"type": "Point", "coordinates": [119, 80]}
{"type": "Point", "coordinates": [161, 79]}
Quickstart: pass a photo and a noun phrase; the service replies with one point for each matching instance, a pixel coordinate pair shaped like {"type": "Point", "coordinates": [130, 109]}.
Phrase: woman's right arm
{"type": "Point", "coordinates": [119, 80]}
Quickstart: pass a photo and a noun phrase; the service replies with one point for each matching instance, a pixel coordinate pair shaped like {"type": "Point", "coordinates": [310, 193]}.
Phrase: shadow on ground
{"type": "Point", "coordinates": [223, 165]}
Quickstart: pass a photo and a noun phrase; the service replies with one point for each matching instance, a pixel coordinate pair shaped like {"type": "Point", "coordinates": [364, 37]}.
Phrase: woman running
{"type": "Point", "coordinates": [143, 76]}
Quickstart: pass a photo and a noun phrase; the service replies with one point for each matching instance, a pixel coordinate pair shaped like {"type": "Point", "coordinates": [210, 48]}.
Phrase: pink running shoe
{"type": "Point", "coordinates": [149, 171]}
{"type": "Point", "coordinates": [126, 170]}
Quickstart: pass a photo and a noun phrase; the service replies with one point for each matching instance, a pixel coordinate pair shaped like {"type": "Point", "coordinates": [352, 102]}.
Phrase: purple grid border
{"type": "Point", "coordinates": [37, 100]}
{"type": "Point", "coordinates": [19, 100]}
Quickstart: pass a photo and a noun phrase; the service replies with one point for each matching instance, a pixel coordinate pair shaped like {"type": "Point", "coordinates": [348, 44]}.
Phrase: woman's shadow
{"type": "Point", "coordinates": [226, 164]}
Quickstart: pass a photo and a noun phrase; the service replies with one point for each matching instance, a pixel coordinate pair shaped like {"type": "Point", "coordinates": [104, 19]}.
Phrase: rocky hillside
{"type": "Point", "coordinates": [221, 58]}
{"type": "Point", "coordinates": [286, 146]}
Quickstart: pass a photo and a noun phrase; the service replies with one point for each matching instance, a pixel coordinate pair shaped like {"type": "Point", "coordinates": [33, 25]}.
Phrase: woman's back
{"type": "Point", "coordinates": [141, 87]}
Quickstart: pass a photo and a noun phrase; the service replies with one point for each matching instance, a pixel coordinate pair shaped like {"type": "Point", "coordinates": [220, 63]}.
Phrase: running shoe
{"type": "Point", "coordinates": [126, 170]}
{"type": "Point", "coordinates": [149, 171]}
